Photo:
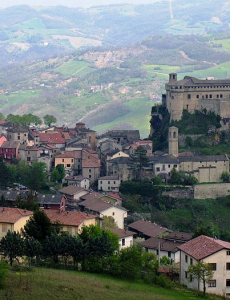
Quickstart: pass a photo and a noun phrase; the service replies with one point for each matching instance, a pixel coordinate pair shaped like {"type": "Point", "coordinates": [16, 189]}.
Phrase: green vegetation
{"type": "Point", "coordinates": [19, 97]}
{"type": "Point", "coordinates": [74, 68]}
{"type": "Point", "coordinates": [50, 284]}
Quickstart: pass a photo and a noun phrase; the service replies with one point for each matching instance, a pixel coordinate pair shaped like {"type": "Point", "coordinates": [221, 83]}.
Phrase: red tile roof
{"type": "Point", "coordinates": [116, 196]}
{"type": "Point", "coordinates": [203, 246]}
{"type": "Point", "coordinates": [51, 138]}
{"type": "Point", "coordinates": [69, 218]}
{"type": "Point", "coordinates": [70, 154]}
{"type": "Point", "coordinates": [122, 233]}
{"type": "Point", "coordinates": [91, 162]}
{"type": "Point", "coordinates": [2, 140]}
{"type": "Point", "coordinates": [12, 215]}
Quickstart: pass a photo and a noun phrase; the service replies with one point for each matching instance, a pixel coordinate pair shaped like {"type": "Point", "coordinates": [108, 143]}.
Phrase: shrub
{"type": "Point", "coordinates": [163, 282]}
{"type": "Point", "coordinates": [3, 273]}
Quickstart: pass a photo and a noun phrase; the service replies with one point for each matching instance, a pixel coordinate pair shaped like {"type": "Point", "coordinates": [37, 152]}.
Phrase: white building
{"type": "Point", "coordinates": [162, 247]}
{"type": "Point", "coordinates": [79, 181]}
{"type": "Point", "coordinates": [109, 184]}
{"type": "Point", "coordinates": [212, 251]}
{"type": "Point", "coordinates": [125, 237]}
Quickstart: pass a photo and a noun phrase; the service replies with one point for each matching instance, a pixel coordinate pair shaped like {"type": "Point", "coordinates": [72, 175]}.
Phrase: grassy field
{"type": "Point", "coordinates": [74, 68]}
{"type": "Point", "coordinates": [139, 117]}
{"type": "Point", "coordinates": [225, 44]}
{"type": "Point", "coordinates": [161, 71]}
{"type": "Point", "coordinates": [20, 97]}
{"type": "Point", "coordinates": [51, 284]}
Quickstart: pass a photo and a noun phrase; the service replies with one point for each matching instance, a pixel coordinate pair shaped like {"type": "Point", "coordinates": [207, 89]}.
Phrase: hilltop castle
{"type": "Point", "coordinates": [194, 94]}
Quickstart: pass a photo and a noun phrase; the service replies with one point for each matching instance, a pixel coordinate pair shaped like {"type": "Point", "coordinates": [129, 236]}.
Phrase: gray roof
{"type": "Point", "coordinates": [120, 160]}
{"type": "Point", "coordinates": [75, 178]}
{"type": "Point", "coordinates": [189, 81]}
{"type": "Point", "coordinates": [203, 158]}
{"type": "Point", "coordinates": [164, 159]}
{"type": "Point", "coordinates": [71, 190]}
{"type": "Point", "coordinates": [49, 198]}
{"type": "Point", "coordinates": [109, 178]}
{"type": "Point", "coordinates": [11, 144]}
{"type": "Point", "coordinates": [18, 129]}
{"type": "Point", "coordinates": [153, 243]}
{"type": "Point", "coordinates": [12, 195]}
{"type": "Point", "coordinates": [147, 228]}
{"type": "Point", "coordinates": [98, 205]}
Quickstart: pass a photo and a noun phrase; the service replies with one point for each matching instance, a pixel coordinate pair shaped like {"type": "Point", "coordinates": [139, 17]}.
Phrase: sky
{"type": "Point", "coordinates": [71, 3]}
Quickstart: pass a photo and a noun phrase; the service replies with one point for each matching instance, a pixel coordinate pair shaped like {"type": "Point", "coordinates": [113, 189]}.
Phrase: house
{"type": "Point", "coordinates": [146, 230]}
{"type": "Point", "coordinates": [123, 136]}
{"type": "Point", "coordinates": [73, 192]}
{"type": "Point", "coordinates": [125, 237]}
{"type": "Point", "coordinates": [51, 137]}
{"type": "Point", "coordinates": [71, 160]}
{"type": "Point", "coordinates": [179, 236]}
{"type": "Point", "coordinates": [13, 219]}
{"type": "Point", "coordinates": [29, 154]}
{"type": "Point", "coordinates": [109, 184]}
{"type": "Point", "coordinates": [79, 181]}
{"type": "Point", "coordinates": [90, 166]}
{"type": "Point", "coordinates": [18, 133]}
{"type": "Point", "coordinates": [10, 151]}
{"type": "Point", "coordinates": [212, 251]}
{"type": "Point", "coordinates": [50, 201]}
{"type": "Point", "coordinates": [115, 153]}
{"type": "Point", "coordinates": [121, 167]}
{"type": "Point", "coordinates": [102, 207]}
{"type": "Point", "coordinates": [71, 221]}
{"type": "Point", "coordinates": [162, 247]}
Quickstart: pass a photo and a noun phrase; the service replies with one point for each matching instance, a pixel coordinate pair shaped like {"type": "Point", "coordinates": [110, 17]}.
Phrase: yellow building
{"type": "Point", "coordinates": [13, 219]}
{"type": "Point", "coordinates": [71, 160]}
{"type": "Point", "coordinates": [71, 221]}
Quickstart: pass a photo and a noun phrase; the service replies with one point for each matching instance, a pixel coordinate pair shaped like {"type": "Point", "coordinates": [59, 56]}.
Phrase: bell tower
{"type": "Point", "coordinates": [173, 141]}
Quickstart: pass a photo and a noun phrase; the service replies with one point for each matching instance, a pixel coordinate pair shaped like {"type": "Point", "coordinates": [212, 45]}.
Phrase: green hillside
{"type": "Point", "coordinates": [49, 284]}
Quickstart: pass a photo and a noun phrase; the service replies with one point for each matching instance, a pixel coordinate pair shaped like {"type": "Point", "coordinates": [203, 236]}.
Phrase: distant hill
{"type": "Point", "coordinates": [107, 65]}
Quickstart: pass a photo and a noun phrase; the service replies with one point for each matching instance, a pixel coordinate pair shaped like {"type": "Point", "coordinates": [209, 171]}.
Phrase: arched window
{"type": "Point", "coordinates": [174, 134]}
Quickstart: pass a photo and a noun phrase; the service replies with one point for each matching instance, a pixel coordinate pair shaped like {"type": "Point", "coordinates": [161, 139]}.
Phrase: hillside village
{"type": "Point", "coordinates": [96, 166]}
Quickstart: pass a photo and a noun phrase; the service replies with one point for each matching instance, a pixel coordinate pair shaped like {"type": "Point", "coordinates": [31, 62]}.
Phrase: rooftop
{"type": "Point", "coordinates": [153, 243]}
{"type": "Point", "coordinates": [12, 215]}
{"type": "Point", "coordinates": [147, 228]}
{"type": "Point", "coordinates": [122, 233]}
{"type": "Point", "coordinates": [71, 190]}
{"type": "Point", "coordinates": [189, 81]}
{"type": "Point", "coordinates": [109, 178]}
{"type": "Point", "coordinates": [203, 246]}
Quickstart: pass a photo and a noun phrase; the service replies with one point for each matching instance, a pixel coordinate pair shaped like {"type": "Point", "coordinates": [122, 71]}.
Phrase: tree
{"type": "Point", "coordinates": [38, 226]}
{"type": "Point", "coordinates": [61, 171]}
{"type": "Point", "coordinates": [175, 177]}
{"type": "Point", "coordinates": [55, 176]}
{"type": "Point", "coordinates": [12, 246]}
{"type": "Point", "coordinates": [32, 248]}
{"type": "Point", "coordinates": [224, 177]}
{"type": "Point", "coordinates": [49, 119]}
{"type": "Point", "coordinates": [52, 246]}
{"type": "Point", "coordinates": [29, 203]}
{"type": "Point", "coordinates": [109, 222]}
{"type": "Point", "coordinates": [2, 201]}
{"type": "Point", "coordinates": [165, 261]}
{"type": "Point", "coordinates": [37, 175]}
{"type": "Point", "coordinates": [139, 160]}
{"type": "Point", "coordinates": [2, 118]}
{"type": "Point", "coordinates": [5, 174]}
{"type": "Point", "coordinates": [202, 271]}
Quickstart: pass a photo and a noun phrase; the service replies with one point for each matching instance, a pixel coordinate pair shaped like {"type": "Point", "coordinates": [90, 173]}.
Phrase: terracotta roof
{"type": "Point", "coordinates": [91, 162]}
{"type": "Point", "coordinates": [92, 196]}
{"type": "Point", "coordinates": [12, 215]}
{"type": "Point", "coordinates": [69, 218]}
{"type": "Point", "coordinates": [203, 246]}
{"type": "Point", "coordinates": [2, 140]}
{"type": "Point", "coordinates": [71, 190]}
{"type": "Point", "coordinates": [51, 138]}
{"type": "Point", "coordinates": [116, 196]}
{"type": "Point", "coordinates": [147, 228]}
{"type": "Point", "coordinates": [121, 232]}
{"type": "Point", "coordinates": [153, 243]}
{"type": "Point", "coordinates": [70, 154]}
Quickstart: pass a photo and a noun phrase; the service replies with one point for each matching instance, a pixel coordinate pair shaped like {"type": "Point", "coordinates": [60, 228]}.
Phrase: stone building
{"type": "Point", "coordinates": [193, 94]}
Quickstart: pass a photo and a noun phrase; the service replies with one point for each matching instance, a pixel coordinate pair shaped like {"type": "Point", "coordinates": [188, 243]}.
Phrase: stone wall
{"type": "Point", "coordinates": [179, 192]}
{"type": "Point", "coordinates": [211, 191]}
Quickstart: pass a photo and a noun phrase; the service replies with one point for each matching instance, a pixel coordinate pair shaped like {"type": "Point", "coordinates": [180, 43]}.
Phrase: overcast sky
{"type": "Point", "coordinates": [71, 3]}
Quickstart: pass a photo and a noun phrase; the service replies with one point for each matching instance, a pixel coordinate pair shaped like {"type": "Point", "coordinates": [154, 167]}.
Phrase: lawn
{"type": "Point", "coordinates": [139, 117]}
{"type": "Point", "coordinates": [225, 44]}
{"type": "Point", "coordinates": [74, 68]}
{"type": "Point", "coordinates": [161, 71]}
{"type": "Point", "coordinates": [49, 284]}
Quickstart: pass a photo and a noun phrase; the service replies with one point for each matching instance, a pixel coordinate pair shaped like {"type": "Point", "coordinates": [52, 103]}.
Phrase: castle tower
{"type": "Point", "coordinates": [173, 141]}
{"type": "Point", "coordinates": [172, 77]}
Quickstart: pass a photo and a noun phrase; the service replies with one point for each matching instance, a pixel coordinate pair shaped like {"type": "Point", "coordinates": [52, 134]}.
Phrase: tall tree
{"type": "Point", "coordinates": [61, 171]}
{"type": "Point", "coordinates": [37, 176]}
{"type": "Point", "coordinates": [12, 246]}
{"type": "Point", "coordinates": [38, 226]}
{"type": "Point", "coordinates": [202, 271]}
{"type": "Point", "coordinates": [139, 160]}
{"type": "Point", "coordinates": [2, 118]}
{"type": "Point", "coordinates": [49, 119]}
{"type": "Point", "coordinates": [32, 248]}
{"type": "Point", "coordinates": [5, 174]}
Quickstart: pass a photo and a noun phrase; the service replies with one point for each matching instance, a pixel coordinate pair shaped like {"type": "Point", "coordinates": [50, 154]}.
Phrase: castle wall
{"type": "Point", "coordinates": [211, 191]}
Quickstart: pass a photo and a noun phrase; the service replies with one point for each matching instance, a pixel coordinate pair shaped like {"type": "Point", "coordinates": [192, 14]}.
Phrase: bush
{"type": "Point", "coordinates": [3, 273]}
{"type": "Point", "coordinates": [163, 282]}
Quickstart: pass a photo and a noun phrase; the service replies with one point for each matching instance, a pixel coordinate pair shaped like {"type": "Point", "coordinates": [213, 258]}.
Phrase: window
{"type": "Point", "coordinates": [68, 165]}
{"type": "Point", "coordinates": [190, 278]}
{"type": "Point", "coordinates": [101, 182]}
{"type": "Point", "coordinates": [168, 166]}
{"type": "Point", "coordinates": [89, 176]}
{"type": "Point", "coordinates": [189, 96]}
{"type": "Point", "coordinates": [163, 168]}
{"type": "Point", "coordinates": [4, 228]}
{"type": "Point", "coordinates": [175, 166]}
{"type": "Point", "coordinates": [221, 96]}
{"type": "Point", "coordinates": [217, 96]}
{"type": "Point", "coordinates": [28, 158]}
{"type": "Point", "coordinates": [213, 266]}
{"type": "Point", "coordinates": [197, 96]}
{"type": "Point", "coordinates": [210, 96]}
{"type": "Point", "coordinates": [63, 160]}
{"type": "Point", "coordinates": [206, 96]}
{"type": "Point", "coordinates": [169, 253]}
{"type": "Point", "coordinates": [186, 258]}
{"type": "Point", "coordinates": [123, 242]}
{"type": "Point", "coordinates": [228, 266]}
{"type": "Point", "coordinates": [191, 261]}
{"type": "Point", "coordinates": [113, 213]}
{"type": "Point", "coordinates": [228, 252]}
{"type": "Point", "coordinates": [108, 187]}
{"type": "Point", "coordinates": [108, 182]}
{"type": "Point", "coordinates": [89, 170]}
{"type": "Point", "coordinates": [72, 160]}
{"type": "Point", "coordinates": [212, 283]}
{"type": "Point", "coordinates": [158, 169]}
{"type": "Point", "coordinates": [114, 182]}
{"type": "Point", "coordinates": [227, 282]}
{"type": "Point", "coordinates": [186, 274]}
